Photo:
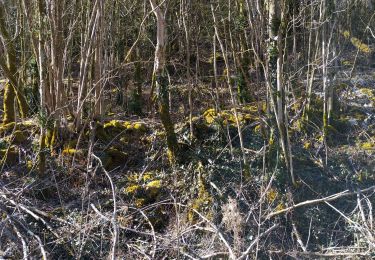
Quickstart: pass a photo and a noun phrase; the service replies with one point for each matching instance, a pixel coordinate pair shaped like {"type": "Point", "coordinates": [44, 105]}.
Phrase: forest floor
{"type": "Point", "coordinates": [206, 206]}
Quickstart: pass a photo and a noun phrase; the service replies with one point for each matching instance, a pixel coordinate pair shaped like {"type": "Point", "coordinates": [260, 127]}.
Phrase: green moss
{"type": "Point", "coordinates": [307, 145]}
{"type": "Point", "coordinates": [251, 108]}
{"type": "Point", "coordinates": [132, 189]}
{"type": "Point", "coordinates": [71, 152]}
{"type": "Point", "coordinates": [29, 165]}
{"type": "Point", "coordinates": [126, 124]}
{"type": "Point", "coordinates": [201, 203]}
{"type": "Point", "coordinates": [139, 127]}
{"type": "Point", "coordinates": [49, 137]}
{"type": "Point", "coordinates": [210, 115]}
{"type": "Point", "coordinates": [7, 127]}
{"type": "Point", "coordinates": [8, 104]}
{"type": "Point", "coordinates": [361, 46]}
{"type": "Point", "coordinates": [245, 114]}
{"type": "Point", "coordinates": [153, 188]}
{"type": "Point", "coordinates": [114, 124]}
{"type": "Point", "coordinates": [139, 203]}
{"type": "Point", "coordinates": [147, 176]}
{"type": "Point", "coordinates": [154, 184]}
{"type": "Point", "coordinates": [145, 188]}
{"type": "Point", "coordinates": [258, 129]}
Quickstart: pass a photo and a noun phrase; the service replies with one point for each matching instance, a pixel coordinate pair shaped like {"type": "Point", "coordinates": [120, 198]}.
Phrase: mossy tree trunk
{"type": "Point", "coordinates": [12, 90]}
{"type": "Point", "coordinates": [161, 80]}
{"type": "Point", "coordinates": [9, 97]}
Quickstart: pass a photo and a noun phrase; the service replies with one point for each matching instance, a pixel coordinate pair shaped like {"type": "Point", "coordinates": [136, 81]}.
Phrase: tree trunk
{"type": "Point", "coordinates": [161, 81]}
{"type": "Point", "coordinates": [275, 78]}
{"type": "Point", "coordinates": [12, 90]}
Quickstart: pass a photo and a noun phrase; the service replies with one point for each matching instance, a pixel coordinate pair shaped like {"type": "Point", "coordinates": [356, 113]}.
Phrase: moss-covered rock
{"type": "Point", "coordinates": [228, 117]}
{"type": "Point", "coordinates": [19, 137]}
{"type": "Point", "coordinates": [113, 158]}
{"type": "Point", "coordinates": [114, 124]}
{"type": "Point", "coordinates": [9, 156]}
{"type": "Point", "coordinates": [144, 188]}
{"type": "Point", "coordinates": [138, 126]}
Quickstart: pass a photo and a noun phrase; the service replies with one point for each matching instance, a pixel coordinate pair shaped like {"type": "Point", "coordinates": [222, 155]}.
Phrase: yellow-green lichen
{"type": "Point", "coordinates": [154, 184]}
{"type": "Point", "coordinates": [139, 126]}
{"type": "Point", "coordinates": [71, 152]}
{"type": "Point", "coordinates": [132, 189]}
{"type": "Point", "coordinates": [29, 165]}
{"type": "Point", "coordinates": [210, 115]}
{"type": "Point", "coordinates": [126, 124]}
{"type": "Point", "coordinates": [140, 202]}
{"type": "Point", "coordinates": [113, 124]}
{"type": "Point", "coordinates": [147, 177]}
{"type": "Point", "coordinates": [370, 93]}
{"type": "Point", "coordinates": [7, 127]}
{"type": "Point", "coordinates": [368, 145]}
{"type": "Point", "coordinates": [272, 195]}
{"type": "Point", "coordinates": [143, 187]}
{"type": "Point", "coordinates": [307, 145]}
{"type": "Point", "coordinates": [258, 129]}
{"type": "Point", "coordinates": [361, 46]}
{"type": "Point", "coordinates": [153, 188]}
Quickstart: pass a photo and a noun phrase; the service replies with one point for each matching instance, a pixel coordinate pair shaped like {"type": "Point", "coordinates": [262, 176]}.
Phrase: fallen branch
{"type": "Point", "coordinates": [248, 250]}
{"type": "Point", "coordinates": [336, 196]}
{"type": "Point", "coordinates": [327, 255]}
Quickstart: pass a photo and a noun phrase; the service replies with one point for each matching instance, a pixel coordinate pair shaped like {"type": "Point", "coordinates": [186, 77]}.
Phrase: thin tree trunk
{"type": "Point", "coordinates": [161, 82]}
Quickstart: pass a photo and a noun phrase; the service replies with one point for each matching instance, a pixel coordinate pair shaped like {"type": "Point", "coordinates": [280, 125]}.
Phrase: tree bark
{"type": "Point", "coordinates": [161, 81]}
{"type": "Point", "coordinates": [275, 77]}
{"type": "Point", "coordinates": [12, 90]}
